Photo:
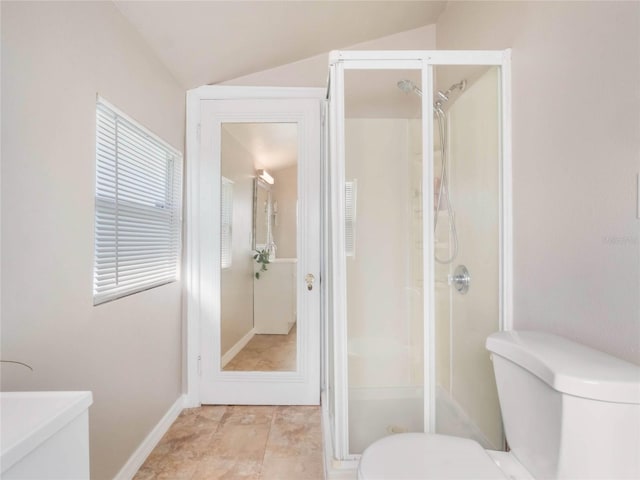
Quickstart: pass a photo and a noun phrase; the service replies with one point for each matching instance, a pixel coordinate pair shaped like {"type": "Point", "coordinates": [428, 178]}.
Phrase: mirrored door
{"type": "Point", "coordinates": [260, 183]}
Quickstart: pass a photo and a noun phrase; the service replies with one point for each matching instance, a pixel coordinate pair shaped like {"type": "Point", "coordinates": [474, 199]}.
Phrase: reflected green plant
{"type": "Point", "coordinates": [262, 257]}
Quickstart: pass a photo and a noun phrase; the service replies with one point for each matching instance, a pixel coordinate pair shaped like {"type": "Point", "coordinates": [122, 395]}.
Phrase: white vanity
{"type": "Point", "coordinates": [274, 303]}
{"type": "Point", "coordinates": [44, 435]}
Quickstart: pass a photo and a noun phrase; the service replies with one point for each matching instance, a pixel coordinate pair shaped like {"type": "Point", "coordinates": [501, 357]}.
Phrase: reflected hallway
{"type": "Point", "coordinates": [266, 353]}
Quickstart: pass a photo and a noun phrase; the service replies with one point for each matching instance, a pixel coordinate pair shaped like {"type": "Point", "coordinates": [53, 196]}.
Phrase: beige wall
{"type": "Point", "coordinates": [285, 192]}
{"type": "Point", "coordinates": [236, 291]}
{"type": "Point", "coordinates": [576, 152]}
{"type": "Point", "coordinates": [55, 58]}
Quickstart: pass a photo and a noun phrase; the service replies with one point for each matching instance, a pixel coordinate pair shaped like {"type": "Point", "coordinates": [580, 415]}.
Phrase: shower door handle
{"type": "Point", "coordinates": [309, 279]}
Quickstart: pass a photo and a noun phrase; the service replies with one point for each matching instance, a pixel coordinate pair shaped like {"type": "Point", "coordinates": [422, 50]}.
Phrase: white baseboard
{"type": "Point", "coordinates": [233, 351]}
{"type": "Point", "coordinates": [149, 443]}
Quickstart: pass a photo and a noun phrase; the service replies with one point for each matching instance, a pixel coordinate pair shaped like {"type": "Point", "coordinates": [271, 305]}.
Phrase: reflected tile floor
{"type": "Point", "coordinates": [240, 442]}
{"type": "Point", "coordinates": [266, 353]}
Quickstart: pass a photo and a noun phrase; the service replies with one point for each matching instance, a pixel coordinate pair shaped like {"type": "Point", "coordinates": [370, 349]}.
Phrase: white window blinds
{"type": "Point", "coordinates": [138, 207]}
{"type": "Point", "coordinates": [350, 196]}
{"type": "Point", "coordinates": [226, 222]}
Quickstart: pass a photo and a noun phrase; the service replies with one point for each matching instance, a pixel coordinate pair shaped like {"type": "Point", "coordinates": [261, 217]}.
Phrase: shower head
{"type": "Point", "coordinates": [407, 86]}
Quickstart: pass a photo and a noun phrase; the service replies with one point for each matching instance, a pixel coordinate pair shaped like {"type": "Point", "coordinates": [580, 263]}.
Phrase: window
{"type": "Point", "coordinates": [350, 195]}
{"type": "Point", "coordinates": [138, 207]}
{"type": "Point", "coordinates": [226, 222]}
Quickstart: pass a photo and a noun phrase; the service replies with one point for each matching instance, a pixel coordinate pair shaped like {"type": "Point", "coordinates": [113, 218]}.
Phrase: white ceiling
{"type": "Point", "coordinates": [273, 145]}
{"type": "Point", "coordinates": [208, 42]}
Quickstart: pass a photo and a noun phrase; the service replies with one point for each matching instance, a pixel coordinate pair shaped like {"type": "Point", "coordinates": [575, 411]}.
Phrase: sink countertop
{"type": "Point", "coordinates": [284, 260]}
{"type": "Point", "coordinates": [29, 418]}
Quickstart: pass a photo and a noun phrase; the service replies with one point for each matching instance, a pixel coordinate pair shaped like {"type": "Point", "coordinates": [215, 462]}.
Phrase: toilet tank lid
{"type": "Point", "coordinates": [568, 366]}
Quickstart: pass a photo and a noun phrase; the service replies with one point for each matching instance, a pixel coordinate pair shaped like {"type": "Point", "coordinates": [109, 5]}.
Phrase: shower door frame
{"type": "Point", "coordinates": [423, 60]}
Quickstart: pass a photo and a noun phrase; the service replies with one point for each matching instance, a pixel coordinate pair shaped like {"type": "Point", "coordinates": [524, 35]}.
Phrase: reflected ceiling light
{"type": "Point", "coordinates": [264, 175]}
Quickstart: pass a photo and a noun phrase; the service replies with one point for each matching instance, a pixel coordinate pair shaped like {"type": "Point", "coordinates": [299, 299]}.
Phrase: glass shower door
{"type": "Point", "coordinates": [383, 240]}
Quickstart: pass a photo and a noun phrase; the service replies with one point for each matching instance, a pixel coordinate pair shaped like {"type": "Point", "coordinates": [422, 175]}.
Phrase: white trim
{"type": "Point", "coordinates": [339, 265]}
{"type": "Point", "coordinates": [192, 251]}
{"type": "Point", "coordinates": [240, 344]}
{"type": "Point", "coordinates": [131, 467]}
{"type": "Point", "coordinates": [224, 92]}
{"type": "Point", "coordinates": [386, 64]}
{"type": "Point", "coordinates": [324, 248]}
{"type": "Point", "coordinates": [428, 264]}
{"type": "Point", "coordinates": [435, 57]}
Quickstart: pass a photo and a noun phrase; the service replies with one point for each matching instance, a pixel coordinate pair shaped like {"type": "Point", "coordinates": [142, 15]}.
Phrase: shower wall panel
{"type": "Point", "coordinates": [474, 153]}
{"type": "Point", "coordinates": [378, 274]}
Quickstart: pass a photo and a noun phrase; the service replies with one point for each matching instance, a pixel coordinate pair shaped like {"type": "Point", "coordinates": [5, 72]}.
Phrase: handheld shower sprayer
{"type": "Point", "coordinates": [444, 96]}
{"type": "Point", "coordinates": [442, 199]}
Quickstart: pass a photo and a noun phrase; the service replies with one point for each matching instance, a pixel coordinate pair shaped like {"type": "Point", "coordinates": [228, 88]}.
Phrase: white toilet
{"type": "Point", "coordinates": [569, 412]}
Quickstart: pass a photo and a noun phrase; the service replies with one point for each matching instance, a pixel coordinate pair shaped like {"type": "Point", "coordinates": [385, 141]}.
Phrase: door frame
{"type": "Point", "coordinates": [423, 60]}
{"type": "Point", "coordinates": [192, 289]}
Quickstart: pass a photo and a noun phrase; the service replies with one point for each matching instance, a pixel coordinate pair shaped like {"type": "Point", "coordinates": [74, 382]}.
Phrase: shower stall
{"type": "Point", "coordinates": [418, 246]}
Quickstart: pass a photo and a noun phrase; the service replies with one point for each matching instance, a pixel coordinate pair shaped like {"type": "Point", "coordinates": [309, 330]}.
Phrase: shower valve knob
{"type": "Point", "coordinates": [460, 279]}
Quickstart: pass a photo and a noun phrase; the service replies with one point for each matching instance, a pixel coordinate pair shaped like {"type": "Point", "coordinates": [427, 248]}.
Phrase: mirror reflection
{"type": "Point", "coordinates": [262, 213]}
{"type": "Point", "coordinates": [259, 194]}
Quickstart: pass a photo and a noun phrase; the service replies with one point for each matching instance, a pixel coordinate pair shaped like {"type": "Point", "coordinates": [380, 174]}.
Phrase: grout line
{"type": "Point", "coordinates": [264, 453]}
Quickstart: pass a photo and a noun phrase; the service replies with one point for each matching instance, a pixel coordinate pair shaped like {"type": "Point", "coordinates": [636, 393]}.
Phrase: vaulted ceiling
{"type": "Point", "coordinates": [208, 42]}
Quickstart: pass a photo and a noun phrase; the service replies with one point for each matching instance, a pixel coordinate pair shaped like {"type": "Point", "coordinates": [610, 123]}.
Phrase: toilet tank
{"type": "Point", "coordinates": [569, 411]}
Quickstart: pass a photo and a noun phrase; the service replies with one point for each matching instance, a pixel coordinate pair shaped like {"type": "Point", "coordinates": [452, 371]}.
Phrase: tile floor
{"type": "Point", "coordinates": [240, 442]}
{"type": "Point", "coordinates": [266, 353]}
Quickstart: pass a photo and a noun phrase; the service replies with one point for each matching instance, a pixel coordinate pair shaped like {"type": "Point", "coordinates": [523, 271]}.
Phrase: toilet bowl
{"type": "Point", "coordinates": [413, 456]}
{"type": "Point", "coordinates": [569, 412]}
